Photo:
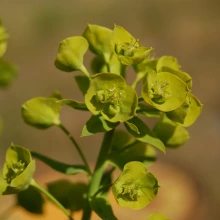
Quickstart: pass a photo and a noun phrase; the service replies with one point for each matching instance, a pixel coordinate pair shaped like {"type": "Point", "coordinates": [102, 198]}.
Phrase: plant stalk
{"type": "Point", "coordinates": [77, 147]}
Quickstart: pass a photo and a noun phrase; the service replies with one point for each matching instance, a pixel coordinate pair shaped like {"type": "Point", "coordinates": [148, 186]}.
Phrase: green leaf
{"type": "Point", "coordinates": [74, 104]}
{"type": "Point", "coordinates": [157, 216]}
{"type": "Point", "coordinates": [148, 111]}
{"type": "Point", "coordinates": [56, 95]}
{"type": "Point", "coordinates": [109, 95]}
{"type": "Point", "coordinates": [3, 39]}
{"type": "Point", "coordinates": [70, 195]}
{"type": "Point", "coordinates": [171, 134]}
{"type": "Point", "coordinates": [59, 166]}
{"type": "Point", "coordinates": [135, 188]}
{"type": "Point", "coordinates": [31, 200]}
{"type": "Point", "coordinates": [83, 83]}
{"type": "Point", "coordinates": [97, 124]}
{"type": "Point", "coordinates": [145, 135]}
{"type": "Point", "coordinates": [132, 127]}
{"type": "Point", "coordinates": [99, 39]}
{"type": "Point", "coordinates": [164, 91]}
{"type": "Point", "coordinates": [70, 54]}
{"type": "Point", "coordinates": [126, 149]}
{"type": "Point", "coordinates": [7, 73]}
{"type": "Point", "coordinates": [127, 48]}
{"type": "Point", "coordinates": [102, 207]}
{"type": "Point", "coordinates": [187, 113]}
{"type": "Point", "coordinates": [18, 169]}
{"type": "Point", "coordinates": [167, 61]}
{"type": "Point", "coordinates": [41, 112]}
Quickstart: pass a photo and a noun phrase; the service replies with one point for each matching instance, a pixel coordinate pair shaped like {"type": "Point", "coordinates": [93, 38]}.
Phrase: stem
{"type": "Point", "coordinates": [85, 71]}
{"type": "Point", "coordinates": [45, 192]}
{"type": "Point", "coordinates": [77, 147]}
{"type": "Point", "coordinates": [139, 77]}
{"type": "Point", "coordinates": [98, 172]}
{"type": "Point", "coordinates": [123, 70]}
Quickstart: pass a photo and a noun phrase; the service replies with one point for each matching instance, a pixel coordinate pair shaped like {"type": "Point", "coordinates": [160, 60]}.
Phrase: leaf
{"type": "Point", "coordinates": [83, 83]}
{"type": "Point", "coordinates": [130, 150]}
{"type": "Point", "coordinates": [41, 112]}
{"type": "Point", "coordinates": [70, 195]}
{"type": "Point", "coordinates": [157, 216]}
{"type": "Point", "coordinates": [97, 124]}
{"type": "Point", "coordinates": [148, 111]}
{"type": "Point", "coordinates": [70, 54]}
{"type": "Point", "coordinates": [7, 73]}
{"type": "Point", "coordinates": [145, 135]}
{"type": "Point", "coordinates": [132, 127]}
{"type": "Point", "coordinates": [74, 104]}
{"type": "Point", "coordinates": [31, 200]}
{"type": "Point", "coordinates": [59, 166]}
{"type": "Point", "coordinates": [171, 134]}
{"type": "Point", "coordinates": [102, 208]}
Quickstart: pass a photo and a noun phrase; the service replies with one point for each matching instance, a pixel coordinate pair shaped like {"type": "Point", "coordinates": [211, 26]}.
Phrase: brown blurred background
{"type": "Point", "coordinates": [186, 29]}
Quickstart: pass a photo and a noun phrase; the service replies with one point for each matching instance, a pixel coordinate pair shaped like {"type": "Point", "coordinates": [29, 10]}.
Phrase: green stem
{"type": "Point", "coordinates": [45, 192]}
{"type": "Point", "coordinates": [77, 147]}
{"type": "Point", "coordinates": [85, 71]}
{"type": "Point", "coordinates": [138, 78]}
{"type": "Point", "coordinates": [99, 169]}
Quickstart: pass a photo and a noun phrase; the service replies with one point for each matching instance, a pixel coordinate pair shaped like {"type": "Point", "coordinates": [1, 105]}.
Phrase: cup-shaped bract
{"type": "Point", "coordinates": [127, 48]}
{"type": "Point", "coordinates": [135, 188]}
{"type": "Point", "coordinates": [164, 91]}
{"type": "Point", "coordinates": [18, 169]}
{"type": "Point", "coordinates": [99, 39]}
{"type": "Point", "coordinates": [70, 54]}
{"type": "Point", "coordinates": [3, 39]}
{"type": "Point", "coordinates": [109, 95]}
{"type": "Point", "coordinates": [187, 113]}
{"type": "Point", "coordinates": [41, 112]}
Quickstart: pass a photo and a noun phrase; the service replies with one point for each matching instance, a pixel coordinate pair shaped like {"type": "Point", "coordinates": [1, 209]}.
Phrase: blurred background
{"type": "Point", "coordinates": [186, 29]}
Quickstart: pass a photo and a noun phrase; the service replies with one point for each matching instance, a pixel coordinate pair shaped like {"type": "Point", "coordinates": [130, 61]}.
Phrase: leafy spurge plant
{"type": "Point", "coordinates": [166, 96]}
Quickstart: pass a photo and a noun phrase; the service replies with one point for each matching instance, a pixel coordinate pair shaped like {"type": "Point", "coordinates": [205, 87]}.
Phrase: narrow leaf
{"type": "Point", "coordinates": [97, 124]}
{"type": "Point", "coordinates": [59, 166]}
{"type": "Point", "coordinates": [145, 134]}
{"type": "Point", "coordinates": [83, 83]}
{"type": "Point", "coordinates": [74, 104]}
{"type": "Point", "coordinates": [102, 208]}
{"type": "Point", "coordinates": [132, 127]}
{"type": "Point", "coordinates": [148, 111]}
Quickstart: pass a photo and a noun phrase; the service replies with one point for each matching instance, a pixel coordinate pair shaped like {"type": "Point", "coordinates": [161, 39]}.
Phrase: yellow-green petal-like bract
{"type": "Point", "coordinates": [164, 91]}
{"type": "Point", "coordinates": [70, 54]}
{"type": "Point", "coordinates": [135, 188]}
{"type": "Point", "coordinates": [3, 39]}
{"type": "Point", "coordinates": [18, 169]}
{"type": "Point", "coordinates": [109, 95]}
{"type": "Point", "coordinates": [41, 112]}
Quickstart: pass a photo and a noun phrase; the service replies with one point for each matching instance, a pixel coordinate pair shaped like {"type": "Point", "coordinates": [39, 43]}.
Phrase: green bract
{"type": "Point", "coordinates": [171, 134]}
{"type": "Point", "coordinates": [3, 39]}
{"type": "Point", "coordinates": [7, 73]}
{"type": "Point", "coordinates": [18, 170]}
{"type": "Point", "coordinates": [70, 54]}
{"type": "Point", "coordinates": [109, 95]}
{"type": "Point", "coordinates": [41, 112]}
{"type": "Point", "coordinates": [157, 216]}
{"type": "Point", "coordinates": [135, 188]}
{"type": "Point", "coordinates": [99, 39]}
{"type": "Point", "coordinates": [187, 113]}
{"type": "Point", "coordinates": [127, 48]}
{"type": "Point", "coordinates": [164, 91]}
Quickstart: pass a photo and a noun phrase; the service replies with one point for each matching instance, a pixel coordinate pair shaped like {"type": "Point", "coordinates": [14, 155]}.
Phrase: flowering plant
{"type": "Point", "coordinates": [166, 96]}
